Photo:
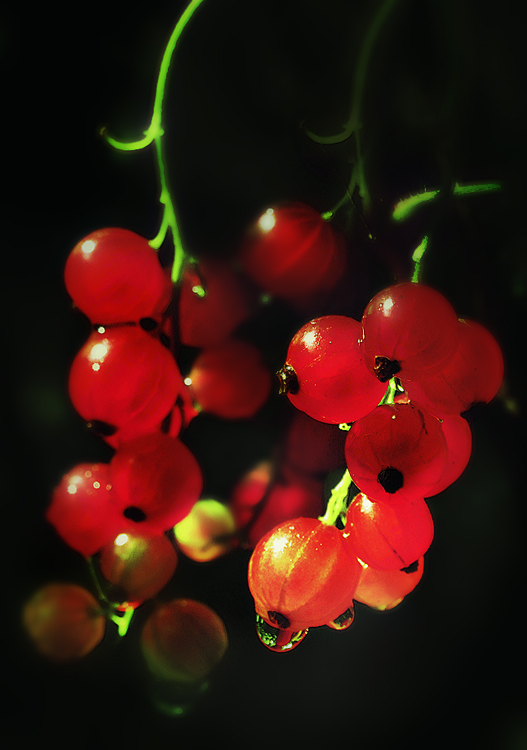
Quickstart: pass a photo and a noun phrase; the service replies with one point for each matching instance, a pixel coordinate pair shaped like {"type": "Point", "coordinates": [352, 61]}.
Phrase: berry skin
{"type": "Point", "coordinates": [396, 452]}
{"type": "Point", "coordinates": [302, 575]}
{"type": "Point", "coordinates": [290, 495]}
{"type": "Point", "coordinates": [385, 589]}
{"type": "Point", "coordinates": [64, 621]}
{"type": "Point", "coordinates": [388, 536]}
{"type": "Point", "coordinates": [458, 436]}
{"type": "Point", "coordinates": [156, 480]}
{"type": "Point", "coordinates": [123, 382]}
{"type": "Point", "coordinates": [114, 276]}
{"type": "Point", "coordinates": [139, 565]}
{"type": "Point", "coordinates": [183, 641]}
{"type": "Point", "coordinates": [409, 330]}
{"type": "Point", "coordinates": [213, 301]}
{"type": "Point", "coordinates": [81, 511]}
{"type": "Point", "coordinates": [230, 380]}
{"type": "Point", "coordinates": [325, 375]}
{"type": "Point", "coordinates": [473, 375]}
{"type": "Point", "coordinates": [207, 531]}
{"type": "Point", "coordinates": [292, 253]}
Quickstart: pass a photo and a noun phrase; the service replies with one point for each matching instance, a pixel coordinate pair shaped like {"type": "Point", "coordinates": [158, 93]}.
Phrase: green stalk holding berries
{"type": "Point", "coordinates": [154, 134]}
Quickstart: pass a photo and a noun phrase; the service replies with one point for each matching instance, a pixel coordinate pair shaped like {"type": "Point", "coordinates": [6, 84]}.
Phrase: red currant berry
{"type": "Point", "coordinates": [385, 589]}
{"type": "Point", "coordinates": [207, 532]}
{"type": "Point", "coordinates": [325, 375]}
{"type": "Point", "coordinates": [81, 510]}
{"type": "Point", "coordinates": [114, 276]}
{"type": "Point", "coordinates": [396, 452]}
{"type": "Point", "coordinates": [123, 383]}
{"type": "Point", "coordinates": [140, 565]}
{"type": "Point", "coordinates": [473, 375]}
{"type": "Point", "coordinates": [183, 641]}
{"type": "Point", "coordinates": [249, 492]}
{"type": "Point", "coordinates": [64, 621]}
{"type": "Point", "coordinates": [409, 330]}
{"type": "Point", "coordinates": [230, 380]}
{"type": "Point", "coordinates": [301, 575]}
{"type": "Point", "coordinates": [292, 253]}
{"type": "Point", "coordinates": [292, 495]}
{"type": "Point", "coordinates": [388, 536]}
{"type": "Point", "coordinates": [213, 301]}
{"type": "Point", "coordinates": [458, 438]}
{"type": "Point", "coordinates": [156, 480]}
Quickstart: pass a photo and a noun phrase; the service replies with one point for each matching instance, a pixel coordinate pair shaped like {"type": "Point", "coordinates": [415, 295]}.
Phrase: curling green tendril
{"type": "Point", "coordinates": [406, 207]}
{"type": "Point", "coordinates": [154, 134]}
{"type": "Point", "coordinates": [353, 125]}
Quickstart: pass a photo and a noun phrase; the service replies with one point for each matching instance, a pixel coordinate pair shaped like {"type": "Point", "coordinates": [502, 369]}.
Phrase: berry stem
{"type": "Point", "coordinates": [353, 125]}
{"type": "Point", "coordinates": [154, 134]}
{"type": "Point", "coordinates": [406, 207]}
{"type": "Point", "coordinates": [123, 620]}
{"type": "Point", "coordinates": [417, 257]}
{"type": "Point", "coordinates": [338, 501]}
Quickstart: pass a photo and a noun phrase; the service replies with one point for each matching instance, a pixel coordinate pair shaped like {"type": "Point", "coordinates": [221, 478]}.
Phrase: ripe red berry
{"type": "Point", "coordinates": [409, 330]}
{"type": "Point", "coordinates": [114, 276]}
{"type": "Point", "coordinates": [385, 589]}
{"type": "Point", "coordinates": [291, 495]}
{"type": "Point", "coordinates": [81, 511]}
{"type": "Point", "coordinates": [292, 253]}
{"type": "Point", "coordinates": [123, 382]}
{"type": "Point", "coordinates": [139, 564]}
{"type": "Point", "coordinates": [156, 480]}
{"type": "Point", "coordinates": [249, 492]}
{"type": "Point", "coordinates": [325, 375]}
{"type": "Point", "coordinates": [64, 621]}
{"type": "Point", "coordinates": [302, 575]}
{"type": "Point", "coordinates": [458, 437]}
{"type": "Point", "coordinates": [388, 536]}
{"type": "Point", "coordinates": [230, 380]}
{"type": "Point", "coordinates": [473, 375]}
{"type": "Point", "coordinates": [396, 452]}
{"type": "Point", "coordinates": [213, 301]}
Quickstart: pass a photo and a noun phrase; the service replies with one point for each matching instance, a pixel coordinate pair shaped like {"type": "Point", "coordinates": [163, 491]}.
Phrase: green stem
{"type": "Point", "coordinates": [353, 125]}
{"type": "Point", "coordinates": [338, 500]}
{"type": "Point", "coordinates": [154, 134]}
{"type": "Point", "coordinates": [407, 206]}
{"type": "Point", "coordinates": [417, 257]}
{"type": "Point", "coordinates": [123, 620]}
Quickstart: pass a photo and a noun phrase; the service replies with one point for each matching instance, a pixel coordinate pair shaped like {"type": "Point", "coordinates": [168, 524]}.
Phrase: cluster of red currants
{"type": "Point", "coordinates": [405, 442]}
{"type": "Point", "coordinates": [131, 517]}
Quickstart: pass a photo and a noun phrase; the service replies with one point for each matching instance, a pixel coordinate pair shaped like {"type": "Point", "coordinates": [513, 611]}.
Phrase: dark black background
{"type": "Point", "coordinates": [444, 101]}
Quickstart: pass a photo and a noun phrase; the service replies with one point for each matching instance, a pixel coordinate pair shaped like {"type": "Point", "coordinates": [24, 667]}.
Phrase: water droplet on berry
{"type": "Point", "coordinates": [344, 620]}
{"type": "Point", "coordinates": [276, 639]}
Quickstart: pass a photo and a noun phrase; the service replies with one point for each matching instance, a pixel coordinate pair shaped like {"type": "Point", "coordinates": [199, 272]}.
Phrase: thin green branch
{"type": "Point", "coordinates": [406, 207]}
{"type": "Point", "coordinates": [338, 500]}
{"type": "Point", "coordinates": [154, 134]}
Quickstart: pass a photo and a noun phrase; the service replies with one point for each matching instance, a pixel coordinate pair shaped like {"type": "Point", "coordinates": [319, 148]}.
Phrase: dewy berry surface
{"type": "Point", "coordinates": [302, 575]}
{"type": "Point", "coordinates": [409, 331]}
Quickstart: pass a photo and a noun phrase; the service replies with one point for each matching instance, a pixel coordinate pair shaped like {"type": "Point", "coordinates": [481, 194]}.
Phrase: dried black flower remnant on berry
{"type": "Point", "coordinates": [386, 368]}
{"type": "Point", "coordinates": [101, 429]}
{"type": "Point", "coordinates": [390, 479]}
{"type": "Point", "coordinates": [134, 514]}
{"type": "Point", "coordinates": [288, 380]}
{"type": "Point", "coordinates": [279, 620]}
